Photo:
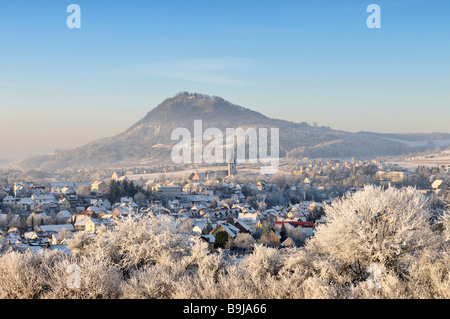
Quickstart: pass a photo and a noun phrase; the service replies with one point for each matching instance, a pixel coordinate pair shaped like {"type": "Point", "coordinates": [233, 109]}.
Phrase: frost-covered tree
{"type": "Point", "coordinates": [445, 220]}
{"type": "Point", "coordinates": [46, 274]}
{"type": "Point", "coordinates": [283, 232]}
{"type": "Point", "coordinates": [244, 241]}
{"type": "Point", "coordinates": [136, 241]}
{"type": "Point", "coordinates": [21, 275]}
{"type": "Point", "coordinates": [261, 202]}
{"type": "Point", "coordinates": [152, 256]}
{"type": "Point", "coordinates": [195, 274]}
{"type": "Point", "coordinates": [374, 227]}
{"type": "Point", "coordinates": [82, 277]}
{"type": "Point", "coordinates": [83, 190]}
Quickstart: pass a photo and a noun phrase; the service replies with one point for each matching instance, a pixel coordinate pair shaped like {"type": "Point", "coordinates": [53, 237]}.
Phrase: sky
{"type": "Point", "coordinates": [302, 61]}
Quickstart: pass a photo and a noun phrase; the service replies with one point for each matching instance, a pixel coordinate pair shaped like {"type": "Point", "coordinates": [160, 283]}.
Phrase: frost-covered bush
{"type": "Point", "coordinates": [83, 278]}
{"type": "Point", "coordinates": [243, 241]}
{"type": "Point", "coordinates": [445, 219]}
{"type": "Point", "coordinates": [150, 282]}
{"type": "Point", "coordinates": [195, 275]}
{"type": "Point", "coordinates": [136, 241]}
{"type": "Point", "coordinates": [262, 263]}
{"type": "Point", "coordinates": [374, 227]}
{"type": "Point", "coordinates": [47, 274]}
{"type": "Point", "coordinates": [21, 275]}
{"type": "Point", "coordinates": [429, 274]}
{"type": "Point", "coordinates": [375, 244]}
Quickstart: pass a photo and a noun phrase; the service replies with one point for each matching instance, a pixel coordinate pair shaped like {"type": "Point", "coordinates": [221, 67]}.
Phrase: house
{"type": "Point", "coordinates": [80, 224]}
{"type": "Point", "coordinates": [73, 200]}
{"type": "Point", "coordinates": [321, 220]}
{"type": "Point", "coordinates": [37, 189]}
{"type": "Point", "coordinates": [93, 211]}
{"type": "Point", "coordinates": [21, 189]}
{"type": "Point", "coordinates": [51, 229]}
{"type": "Point", "coordinates": [116, 176]}
{"type": "Point", "coordinates": [197, 177]}
{"type": "Point", "coordinates": [230, 231]}
{"type": "Point", "coordinates": [106, 204]}
{"type": "Point", "coordinates": [293, 212]}
{"type": "Point", "coordinates": [198, 229]}
{"type": "Point", "coordinates": [31, 235]}
{"type": "Point", "coordinates": [64, 204]}
{"type": "Point", "coordinates": [99, 187]}
{"type": "Point", "coordinates": [128, 202]}
{"type": "Point", "coordinates": [287, 242]}
{"type": "Point", "coordinates": [209, 239]}
{"type": "Point", "coordinates": [9, 201]}
{"type": "Point", "coordinates": [91, 225]}
{"type": "Point", "coordinates": [26, 204]}
{"type": "Point", "coordinates": [45, 200]}
{"type": "Point", "coordinates": [68, 190]}
{"type": "Point", "coordinates": [55, 239]}
{"type": "Point", "coordinates": [64, 216]}
{"type": "Point", "coordinates": [170, 190]}
{"type": "Point", "coordinates": [107, 214]}
{"type": "Point", "coordinates": [242, 226]}
{"type": "Point", "coordinates": [272, 214]}
{"type": "Point", "coordinates": [245, 214]}
{"type": "Point", "coordinates": [5, 189]}
{"type": "Point", "coordinates": [122, 211]}
{"type": "Point", "coordinates": [96, 203]}
{"type": "Point", "coordinates": [274, 236]}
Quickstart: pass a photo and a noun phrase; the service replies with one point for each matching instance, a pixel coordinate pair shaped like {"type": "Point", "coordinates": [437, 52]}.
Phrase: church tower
{"type": "Point", "coordinates": [232, 167]}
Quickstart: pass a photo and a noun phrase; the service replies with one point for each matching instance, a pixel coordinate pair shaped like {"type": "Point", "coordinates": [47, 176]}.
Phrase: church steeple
{"type": "Point", "coordinates": [232, 167]}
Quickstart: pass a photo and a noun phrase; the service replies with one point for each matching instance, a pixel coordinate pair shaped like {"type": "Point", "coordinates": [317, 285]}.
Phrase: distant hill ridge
{"type": "Point", "coordinates": [148, 141]}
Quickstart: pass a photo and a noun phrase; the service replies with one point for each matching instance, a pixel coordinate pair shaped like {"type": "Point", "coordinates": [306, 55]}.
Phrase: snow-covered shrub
{"type": "Point", "coordinates": [46, 274]}
{"type": "Point", "coordinates": [137, 241]}
{"type": "Point", "coordinates": [21, 275]}
{"type": "Point", "coordinates": [445, 220]}
{"type": "Point", "coordinates": [193, 274]}
{"type": "Point", "coordinates": [84, 277]}
{"type": "Point", "coordinates": [375, 244]}
{"type": "Point", "coordinates": [429, 274]}
{"type": "Point", "coordinates": [243, 241]}
{"type": "Point", "coordinates": [149, 282]}
{"type": "Point", "coordinates": [374, 227]}
{"type": "Point", "coordinates": [262, 263]}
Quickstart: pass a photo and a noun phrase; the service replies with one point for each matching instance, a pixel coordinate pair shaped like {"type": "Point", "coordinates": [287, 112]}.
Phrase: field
{"type": "Point", "coordinates": [428, 161]}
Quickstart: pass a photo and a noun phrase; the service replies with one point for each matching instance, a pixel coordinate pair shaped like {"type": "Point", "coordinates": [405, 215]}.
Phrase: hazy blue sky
{"type": "Point", "coordinates": [298, 60]}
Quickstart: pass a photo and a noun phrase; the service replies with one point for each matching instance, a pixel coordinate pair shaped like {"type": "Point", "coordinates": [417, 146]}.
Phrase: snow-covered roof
{"type": "Point", "coordinates": [230, 229]}
{"type": "Point", "coordinates": [243, 224]}
{"type": "Point", "coordinates": [26, 200]}
{"type": "Point", "coordinates": [209, 237]}
{"type": "Point", "coordinates": [56, 228]}
{"type": "Point", "coordinates": [64, 213]}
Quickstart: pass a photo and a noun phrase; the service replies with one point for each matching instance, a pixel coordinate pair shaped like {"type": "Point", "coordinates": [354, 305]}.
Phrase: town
{"type": "Point", "coordinates": [232, 208]}
{"type": "Point", "coordinates": [225, 152]}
